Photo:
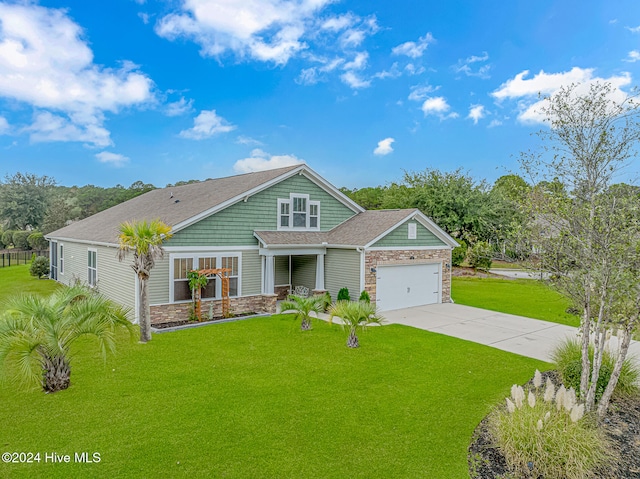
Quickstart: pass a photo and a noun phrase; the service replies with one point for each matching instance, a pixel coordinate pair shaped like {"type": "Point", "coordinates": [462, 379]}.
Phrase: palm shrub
{"type": "Point", "coordinates": [567, 357]}
{"type": "Point", "coordinates": [302, 307]}
{"type": "Point", "coordinates": [36, 333]}
{"type": "Point", "coordinates": [144, 239]}
{"type": "Point", "coordinates": [39, 267]}
{"type": "Point", "coordinates": [354, 315]}
{"type": "Point", "coordinates": [343, 295]}
{"type": "Point", "coordinates": [543, 432]}
{"type": "Point", "coordinates": [480, 256]}
{"type": "Point", "coordinates": [326, 301]}
{"type": "Point", "coordinates": [364, 296]}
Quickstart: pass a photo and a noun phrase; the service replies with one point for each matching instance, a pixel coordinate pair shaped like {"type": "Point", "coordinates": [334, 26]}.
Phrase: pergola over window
{"type": "Point", "coordinates": [223, 274]}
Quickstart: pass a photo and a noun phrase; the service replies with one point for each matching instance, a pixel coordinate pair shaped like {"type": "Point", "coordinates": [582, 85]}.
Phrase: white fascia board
{"type": "Point", "coordinates": [301, 170]}
{"type": "Point", "coordinates": [424, 221]}
{"type": "Point", "coordinates": [75, 240]}
{"type": "Point", "coordinates": [332, 190]}
{"type": "Point", "coordinates": [435, 229]}
{"type": "Point", "coordinates": [293, 250]}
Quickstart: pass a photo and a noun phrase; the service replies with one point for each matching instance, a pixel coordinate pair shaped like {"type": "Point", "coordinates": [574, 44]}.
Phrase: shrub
{"type": "Point", "coordinates": [2, 245]}
{"type": "Point", "coordinates": [7, 238]}
{"type": "Point", "coordinates": [459, 253]}
{"type": "Point", "coordinates": [364, 296]}
{"type": "Point", "coordinates": [480, 256]}
{"type": "Point", "coordinates": [542, 433]}
{"type": "Point", "coordinates": [343, 295]}
{"type": "Point", "coordinates": [36, 240]}
{"type": "Point", "coordinates": [39, 267]}
{"type": "Point", "coordinates": [20, 239]}
{"type": "Point", "coordinates": [326, 301]}
{"type": "Point", "coordinates": [568, 359]}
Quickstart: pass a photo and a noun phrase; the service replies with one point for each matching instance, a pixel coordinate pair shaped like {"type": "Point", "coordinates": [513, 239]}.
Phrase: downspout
{"type": "Point", "coordinates": [361, 251]}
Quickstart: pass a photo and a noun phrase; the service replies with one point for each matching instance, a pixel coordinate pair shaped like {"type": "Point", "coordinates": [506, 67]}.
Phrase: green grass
{"type": "Point", "coordinates": [258, 398]}
{"type": "Point", "coordinates": [524, 297]}
{"type": "Point", "coordinates": [15, 280]}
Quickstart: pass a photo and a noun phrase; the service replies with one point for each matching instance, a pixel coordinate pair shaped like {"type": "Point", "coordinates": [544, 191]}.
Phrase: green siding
{"type": "Point", "coordinates": [116, 280]}
{"type": "Point", "coordinates": [158, 285]}
{"type": "Point", "coordinates": [400, 237]}
{"type": "Point", "coordinates": [304, 271]}
{"type": "Point", "coordinates": [251, 273]}
{"type": "Point", "coordinates": [234, 226]}
{"type": "Point", "coordinates": [282, 270]}
{"type": "Point", "coordinates": [342, 270]}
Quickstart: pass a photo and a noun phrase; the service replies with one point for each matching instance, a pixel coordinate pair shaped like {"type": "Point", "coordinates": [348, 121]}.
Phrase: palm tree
{"type": "Point", "coordinates": [145, 240]}
{"type": "Point", "coordinates": [37, 332]}
{"type": "Point", "coordinates": [355, 314]}
{"type": "Point", "coordinates": [302, 307]}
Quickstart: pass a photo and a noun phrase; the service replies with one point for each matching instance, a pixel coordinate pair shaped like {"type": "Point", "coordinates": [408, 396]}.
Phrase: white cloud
{"type": "Point", "coordinates": [113, 159]}
{"type": "Point", "coordinates": [392, 72]}
{"type": "Point", "coordinates": [261, 161]}
{"type": "Point", "coordinates": [466, 66]}
{"type": "Point", "coordinates": [494, 123]}
{"type": "Point", "coordinates": [354, 81]}
{"type": "Point", "coordinates": [144, 17]}
{"type": "Point", "coordinates": [247, 140]}
{"type": "Point", "coordinates": [46, 63]}
{"type": "Point", "coordinates": [49, 127]}
{"type": "Point", "coordinates": [528, 91]}
{"type": "Point", "coordinates": [265, 30]}
{"type": "Point", "coordinates": [437, 106]}
{"type": "Point", "coordinates": [358, 63]}
{"type": "Point", "coordinates": [206, 125]}
{"type": "Point", "coordinates": [414, 49]}
{"type": "Point", "coordinates": [421, 92]}
{"type": "Point", "coordinates": [633, 29]}
{"type": "Point", "coordinates": [179, 107]}
{"type": "Point", "coordinates": [384, 147]}
{"type": "Point", "coordinates": [411, 69]}
{"type": "Point", "coordinates": [340, 22]}
{"type": "Point", "coordinates": [4, 125]}
{"type": "Point", "coordinates": [633, 56]}
{"type": "Point", "coordinates": [476, 112]}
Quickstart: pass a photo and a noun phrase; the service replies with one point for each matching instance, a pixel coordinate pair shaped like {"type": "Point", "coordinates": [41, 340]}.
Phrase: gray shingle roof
{"type": "Point", "coordinates": [359, 230]}
{"type": "Point", "coordinates": [172, 205]}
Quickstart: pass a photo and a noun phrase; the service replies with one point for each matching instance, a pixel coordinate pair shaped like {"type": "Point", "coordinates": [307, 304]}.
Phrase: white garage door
{"type": "Point", "coordinates": [404, 286]}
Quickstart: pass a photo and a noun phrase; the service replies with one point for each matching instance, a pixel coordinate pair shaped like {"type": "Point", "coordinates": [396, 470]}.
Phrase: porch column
{"type": "Point", "coordinates": [269, 274]}
{"type": "Point", "coordinates": [319, 274]}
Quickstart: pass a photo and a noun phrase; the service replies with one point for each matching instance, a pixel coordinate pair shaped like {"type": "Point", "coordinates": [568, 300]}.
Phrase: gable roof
{"type": "Point", "coordinates": [363, 229]}
{"type": "Point", "coordinates": [181, 206]}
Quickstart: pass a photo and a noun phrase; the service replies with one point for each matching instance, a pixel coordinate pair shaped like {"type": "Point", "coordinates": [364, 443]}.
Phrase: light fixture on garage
{"type": "Point", "coordinates": [412, 257]}
{"type": "Point", "coordinates": [373, 270]}
{"type": "Point", "coordinates": [447, 266]}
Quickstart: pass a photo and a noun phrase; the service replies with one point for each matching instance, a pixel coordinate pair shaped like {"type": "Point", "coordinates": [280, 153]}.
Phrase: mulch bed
{"type": "Point", "coordinates": [621, 425]}
{"type": "Point", "coordinates": [171, 324]}
{"type": "Point", "coordinates": [470, 272]}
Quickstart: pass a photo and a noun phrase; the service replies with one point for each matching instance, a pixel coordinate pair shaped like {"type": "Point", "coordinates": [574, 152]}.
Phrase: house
{"type": "Point", "coordinates": [275, 230]}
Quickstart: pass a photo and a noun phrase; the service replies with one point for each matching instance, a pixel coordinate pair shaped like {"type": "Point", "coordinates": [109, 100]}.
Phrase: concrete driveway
{"type": "Point", "coordinates": [516, 334]}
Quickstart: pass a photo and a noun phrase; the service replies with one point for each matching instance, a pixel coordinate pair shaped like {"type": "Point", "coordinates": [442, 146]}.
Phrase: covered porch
{"type": "Point", "coordinates": [284, 270]}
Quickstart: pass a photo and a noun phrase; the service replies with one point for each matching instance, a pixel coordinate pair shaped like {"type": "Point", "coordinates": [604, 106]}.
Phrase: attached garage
{"type": "Point", "coordinates": [407, 285]}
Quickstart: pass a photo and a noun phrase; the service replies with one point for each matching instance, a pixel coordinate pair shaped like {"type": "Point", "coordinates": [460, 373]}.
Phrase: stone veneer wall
{"type": "Point", "coordinates": [373, 258]}
{"type": "Point", "coordinates": [164, 313]}
{"type": "Point", "coordinates": [282, 292]}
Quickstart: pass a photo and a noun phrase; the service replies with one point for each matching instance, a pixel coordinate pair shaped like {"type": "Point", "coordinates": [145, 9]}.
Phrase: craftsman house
{"type": "Point", "coordinates": [275, 230]}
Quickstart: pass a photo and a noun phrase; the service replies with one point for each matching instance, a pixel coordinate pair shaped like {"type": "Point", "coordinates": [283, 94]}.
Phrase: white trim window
{"type": "Point", "coordinates": [298, 213]}
{"type": "Point", "coordinates": [61, 259]}
{"type": "Point", "coordinates": [92, 267]}
{"type": "Point", "coordinates": [182, 263]}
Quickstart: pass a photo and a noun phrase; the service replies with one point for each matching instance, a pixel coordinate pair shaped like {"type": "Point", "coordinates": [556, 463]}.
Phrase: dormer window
{"type": "Point", "coordinates": [298, 213]}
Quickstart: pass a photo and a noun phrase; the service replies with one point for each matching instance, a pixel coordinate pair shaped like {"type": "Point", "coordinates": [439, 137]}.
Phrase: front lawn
{"type": "Point", "coordinates": [258, 398]}
{"type": "Point", "coordinates": [524, 297]}
{"type": "Point", "coordinates": [15, 280]}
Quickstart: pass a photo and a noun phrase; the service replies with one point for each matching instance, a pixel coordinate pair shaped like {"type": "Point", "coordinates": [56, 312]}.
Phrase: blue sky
{"type": "Point", "coordinates": [162, 91]}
